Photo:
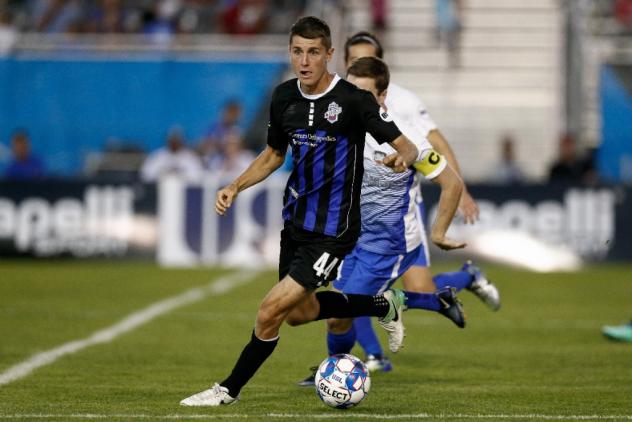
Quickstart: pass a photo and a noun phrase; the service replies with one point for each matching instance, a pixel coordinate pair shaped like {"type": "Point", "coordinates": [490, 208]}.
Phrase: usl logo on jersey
{"type": "Point", "coordinates": [385, 116]}
{"type": "Point", "coordinates": [332, 112]}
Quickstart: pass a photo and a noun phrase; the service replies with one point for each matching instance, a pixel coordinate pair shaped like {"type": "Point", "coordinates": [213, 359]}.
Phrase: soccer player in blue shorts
{"type": "Point", "coordinates": [407, 107]}
{"type": "Point", "coordinates": [392, 238]}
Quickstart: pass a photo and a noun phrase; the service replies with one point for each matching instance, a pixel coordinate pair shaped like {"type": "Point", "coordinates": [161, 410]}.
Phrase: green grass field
{"type": "Point", "coordinates": [542, 356]}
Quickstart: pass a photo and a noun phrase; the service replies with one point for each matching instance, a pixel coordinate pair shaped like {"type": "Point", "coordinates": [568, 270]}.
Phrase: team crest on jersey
{"type": "Point", "coordinates": [332, 112]}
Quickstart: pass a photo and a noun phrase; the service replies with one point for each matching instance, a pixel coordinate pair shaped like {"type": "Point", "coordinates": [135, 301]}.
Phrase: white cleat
{"type": "Point", "coordinates": [214, 396]}
{"type": "Point", "coordinates": [392, 322]}
{"type": "Point", "coordinates": [482, 287]}
{"type": "Point", "coordinates": [374, 364]}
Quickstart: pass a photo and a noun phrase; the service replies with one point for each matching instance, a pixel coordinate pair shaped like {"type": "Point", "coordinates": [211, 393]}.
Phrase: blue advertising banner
{"type": "Point", "coordinates": [614, 158]}
{"type": "Point", "coordinates": [77, 219]}
{"type": "Point", "coordinates": [75, 105]}
{"type": "Point", "coordinates": [560, 227]}
{"type": "Point", "coordinates": [540, 227]}
{"type": "Point", "coordinates": [588, 224]}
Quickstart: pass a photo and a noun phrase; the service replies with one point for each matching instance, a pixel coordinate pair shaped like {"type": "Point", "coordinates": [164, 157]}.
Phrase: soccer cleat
{"type": "Point", "coordinates": [619, 332]}
{"type": "Point", "coordinates": [309, 380]}
{"type": "Point", "coordinates": [482, 287]}
{"type": "Point", "coordinates": [451, 306]}
{"type": "Point", "coordinates": [214, 396]}
{"type": "Point", "coordinates": [392, 321]}
{"type": "Point", "coordinates": [378, 363]}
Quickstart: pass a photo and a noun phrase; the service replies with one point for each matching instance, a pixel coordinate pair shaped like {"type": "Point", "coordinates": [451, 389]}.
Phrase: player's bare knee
{"type": "Point", "coordinates": [268, 316]}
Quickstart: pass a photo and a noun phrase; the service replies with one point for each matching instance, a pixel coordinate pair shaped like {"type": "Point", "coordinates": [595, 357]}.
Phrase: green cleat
{"type": "Point", "coordinates": [392, 321]}
{"type": "Point", "coordinates": [618, 332]}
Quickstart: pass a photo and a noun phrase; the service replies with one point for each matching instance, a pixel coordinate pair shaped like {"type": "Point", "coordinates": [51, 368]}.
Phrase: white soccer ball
{"type": "Point", "coordinates": [342, 381]}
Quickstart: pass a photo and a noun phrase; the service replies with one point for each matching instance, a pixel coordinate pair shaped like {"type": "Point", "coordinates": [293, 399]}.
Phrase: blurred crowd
{"type": "Point", "coordinates": [618, 14]}
{"type": "Point", "coordinates": [221, 151]}
{"type": "Point", "coordinates": [150, 16]}
{"type": "Point", "coordinates": [572, 165]}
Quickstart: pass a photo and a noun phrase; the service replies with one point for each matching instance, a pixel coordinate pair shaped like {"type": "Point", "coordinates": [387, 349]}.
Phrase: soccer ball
{"type": "Point", "coordinates": [342, 381]}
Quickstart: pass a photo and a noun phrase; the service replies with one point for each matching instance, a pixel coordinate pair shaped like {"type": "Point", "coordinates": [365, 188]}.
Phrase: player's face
{"type": "Point", "coordinates": [368, 84]}
{"type": "Point", "coordinates": [360, 50]}
{"type": "Point", "coordinates": [309, 59]}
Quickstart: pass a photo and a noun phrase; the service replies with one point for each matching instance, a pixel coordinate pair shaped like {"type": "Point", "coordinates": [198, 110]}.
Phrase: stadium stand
{"type": "Point", "coordinates": [510, 75]}
{"type": "Point", "coordinates": [513, 76]}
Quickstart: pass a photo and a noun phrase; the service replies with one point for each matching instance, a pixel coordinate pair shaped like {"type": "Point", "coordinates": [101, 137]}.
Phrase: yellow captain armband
{"type": "Point", "coordinates": [431, 163]}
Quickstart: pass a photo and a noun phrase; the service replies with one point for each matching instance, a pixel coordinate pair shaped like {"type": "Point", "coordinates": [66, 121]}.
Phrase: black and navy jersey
{"type": "Point", "coordinates": [326, 133]}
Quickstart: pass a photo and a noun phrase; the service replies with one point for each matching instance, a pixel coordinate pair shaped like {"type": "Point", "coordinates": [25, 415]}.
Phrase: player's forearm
{"type": "Point", "coordinates": [406, 149]}
{"type": "Point", "coordinates": [442, 146]}
{"type": "Point", "coordinates": [451, 189]}
{"type": "Point", "coordinates": [263, 166]}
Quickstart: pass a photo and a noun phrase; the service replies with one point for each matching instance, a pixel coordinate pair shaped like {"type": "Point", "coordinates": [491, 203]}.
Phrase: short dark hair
{"type": "Point", "coordinates": [364, 37]}
{"type": "Point", "coordinates": [311, 27]}
{"type": "Point", "coordinates": [374, 68]}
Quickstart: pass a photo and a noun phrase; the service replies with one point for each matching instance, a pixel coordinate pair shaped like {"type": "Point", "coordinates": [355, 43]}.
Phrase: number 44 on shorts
{"type": "Point", "coordinates": [322, 268]}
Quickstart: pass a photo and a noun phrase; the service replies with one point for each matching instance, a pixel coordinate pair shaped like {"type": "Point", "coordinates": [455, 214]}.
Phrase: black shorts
{"type": "Point", "coordinates": [312, 259]}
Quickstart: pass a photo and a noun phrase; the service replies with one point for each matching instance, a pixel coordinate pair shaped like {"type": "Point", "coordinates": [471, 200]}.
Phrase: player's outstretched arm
{"type": "Point", "coordinates": [451, 189]}
{"type": "Point", "coordinates": [467, 206]}
{"type": "Point", "coordinates": [406, 154]}
{"type": "Point", "coordinates": [265, 164]}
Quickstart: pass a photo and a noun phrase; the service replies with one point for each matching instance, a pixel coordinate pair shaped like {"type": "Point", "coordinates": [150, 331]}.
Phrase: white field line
{"type": "Point", "coordinates": [132, 321]}
{"type": "Point", "coordinates": [341, 415]}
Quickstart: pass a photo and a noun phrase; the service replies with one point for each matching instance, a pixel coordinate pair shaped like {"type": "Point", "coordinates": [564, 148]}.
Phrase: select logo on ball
{"type": "Point", "coordinates": [336, 394]}
{"type": "Point", "coordinates": [342, 381]}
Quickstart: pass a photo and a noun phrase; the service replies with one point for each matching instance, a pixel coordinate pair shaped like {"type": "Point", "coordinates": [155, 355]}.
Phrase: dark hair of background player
{"type": "Point", "coordinates": [364, 37]}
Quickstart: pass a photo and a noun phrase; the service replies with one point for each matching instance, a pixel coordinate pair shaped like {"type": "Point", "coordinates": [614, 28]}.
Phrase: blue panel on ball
{"type": "Point", "coordinates": [352, 378]}
{"type": "Point", "coordinates": [330, 368]}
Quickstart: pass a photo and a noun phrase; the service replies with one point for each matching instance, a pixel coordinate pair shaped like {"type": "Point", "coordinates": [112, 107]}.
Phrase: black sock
{"type": "Point", "coordinates": [252, 357]}
{"type": "Point", "coordinates": [339, 305]}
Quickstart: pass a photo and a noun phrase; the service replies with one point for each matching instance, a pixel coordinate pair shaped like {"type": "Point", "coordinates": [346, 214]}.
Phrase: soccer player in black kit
{"type": "Point", "coordinates": [324, 119]}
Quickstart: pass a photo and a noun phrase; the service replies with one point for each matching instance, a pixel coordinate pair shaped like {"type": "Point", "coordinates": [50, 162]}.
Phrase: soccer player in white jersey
{"type": "Point", "coordinates": [410, 111]}
{"type": "Point", "coordinates": [392, 242]}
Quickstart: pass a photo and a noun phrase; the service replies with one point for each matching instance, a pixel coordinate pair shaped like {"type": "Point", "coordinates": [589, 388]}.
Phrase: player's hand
{"type": "Point", "coordinates": [225, 198]}
{"type": "Point", "coordinates": [468, 208]}
{"type": "Point", "coordinates": [445, 243]}
{"type": "Point", "coordinates": [395, 162]}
